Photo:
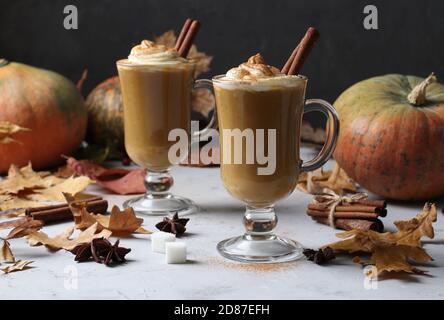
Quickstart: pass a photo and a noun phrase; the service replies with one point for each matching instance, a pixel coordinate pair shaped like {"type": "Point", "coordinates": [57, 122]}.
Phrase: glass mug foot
{"type": "Point", "coordinates": [259, 244]}
{"type": "Point", "coordinates": [269, 249]}
{"type": "Point", "coordinates": [158, 201]}
{"type": "Point", "coordinates": [164, 206]}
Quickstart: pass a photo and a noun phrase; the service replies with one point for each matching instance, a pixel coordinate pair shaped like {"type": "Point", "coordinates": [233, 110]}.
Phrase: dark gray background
{"type": "Point", "coordinates": [409, 39]}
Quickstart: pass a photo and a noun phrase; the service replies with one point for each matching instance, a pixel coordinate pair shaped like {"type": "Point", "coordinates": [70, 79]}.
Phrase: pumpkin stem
{"type": "Point", "coordinates": [3, 62]}
{"type": "Point", "coordinates": [417, 96]}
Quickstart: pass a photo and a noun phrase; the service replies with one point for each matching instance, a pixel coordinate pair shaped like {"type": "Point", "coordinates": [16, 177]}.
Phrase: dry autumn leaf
{"type": "Point", "coordinates": [391, 251]}
{"type": "Point", "coordinates": [26, 188]}
{"type": "Point", "coordinates": [117, 180]}
{"type": "Point", "coordinates": [20, 179]}
{"type": "Point", "coordinates": [122, 222]}
{"type": "Point", "coordinates": [19, 265]}
{"type": "Point", "coordinates": [64, 240]}
{"type": "Point", "coordinates": [316, 181]}
{"type": "Point", "coordinates": [119, 222]}
{"type": "Point", "coordinates": [6, 253]}
{"type": "Point", "coordinates": [7, 130]}
{"type": "Point", "coordinates": [27, 226]}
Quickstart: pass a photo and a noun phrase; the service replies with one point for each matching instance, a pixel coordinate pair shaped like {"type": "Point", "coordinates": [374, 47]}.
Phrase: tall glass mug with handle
{"type": "Point", "coordinates": [156, 89]}
{"type": "Point", "coordinates": [260, 113]}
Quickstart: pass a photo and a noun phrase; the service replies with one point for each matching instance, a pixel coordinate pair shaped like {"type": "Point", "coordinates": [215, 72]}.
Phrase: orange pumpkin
{"type": "Point", "coordinates": [392, 136]}
{"type": "Point", "coordinates": [42, 116]}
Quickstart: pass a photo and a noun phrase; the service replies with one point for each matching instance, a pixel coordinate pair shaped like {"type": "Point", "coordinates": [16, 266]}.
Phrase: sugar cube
{"type": "Point", "coordinates": [159, 239]}
{"type": "Point", "coordinates": [176, 252]}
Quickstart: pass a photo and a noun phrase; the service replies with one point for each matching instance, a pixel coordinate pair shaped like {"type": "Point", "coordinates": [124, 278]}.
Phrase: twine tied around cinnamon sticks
{"type": "Point", "coordinates": [331, 199]}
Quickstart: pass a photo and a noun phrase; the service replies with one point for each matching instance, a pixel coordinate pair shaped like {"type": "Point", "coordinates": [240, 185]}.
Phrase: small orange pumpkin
{"type": "Point", "coordinates": [392, 136]}
{"type": "Point", "coordinates": [42, 116]}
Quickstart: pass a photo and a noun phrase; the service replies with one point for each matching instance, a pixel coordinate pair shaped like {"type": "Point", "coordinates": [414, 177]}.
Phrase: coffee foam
{"type": "Point", "coordinates": [147, 52]}
{"type": "Point", "coordinates": [263, 84]}
{"type": "Point", "coordinates": [255, 69]}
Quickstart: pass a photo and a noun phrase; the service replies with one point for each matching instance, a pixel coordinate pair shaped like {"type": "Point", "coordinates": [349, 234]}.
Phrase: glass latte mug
{"type": "Point", "coordinates": [271, 115]}
{"type": "Point", "coordinates": [157, 100]}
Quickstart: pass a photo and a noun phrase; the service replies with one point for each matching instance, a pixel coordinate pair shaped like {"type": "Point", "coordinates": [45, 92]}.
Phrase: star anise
{"type": "Point", "coordinates": [321, 256]}
{"type": "Point", "coordinates": [174, 225]}
{"type": "Point", "coordinates": [101, 250]}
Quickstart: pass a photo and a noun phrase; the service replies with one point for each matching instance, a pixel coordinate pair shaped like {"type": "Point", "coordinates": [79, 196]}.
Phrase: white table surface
{"type": "Point", "coordinates": [209, 276]}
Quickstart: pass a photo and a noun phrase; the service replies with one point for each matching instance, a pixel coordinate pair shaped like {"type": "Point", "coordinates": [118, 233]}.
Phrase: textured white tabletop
{"type": "Point", "coordinates": [209, 276]}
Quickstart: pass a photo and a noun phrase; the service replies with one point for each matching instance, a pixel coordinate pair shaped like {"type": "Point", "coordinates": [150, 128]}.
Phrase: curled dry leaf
{"type": "Point", "coordinates": [7, 130]}
{"type": "Point", "coordinates": [19, 265]}
{"type": "Point", "coordinates": [27, 226]}
{"type": "Point", "coordinates": [25, 188]}
{"type": "Point", "coordinates": [391, 251]}
{"type": "Point", "coordinates": [64, 240]}
{"type": "Point", "coordinates": [118, 222]}
{"type": "Point", "coordinates": [6, 254]}
{"type": "Point", "coordinates": [315, 182]}
{"type": "Point", "coordinates": [120, 181]}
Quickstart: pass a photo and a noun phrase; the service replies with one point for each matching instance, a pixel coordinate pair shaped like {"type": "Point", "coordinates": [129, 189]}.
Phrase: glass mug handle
{"type": "Point", "coordinates": [332, 132]}
{"type": "Point", "coordinates": [205, 132]}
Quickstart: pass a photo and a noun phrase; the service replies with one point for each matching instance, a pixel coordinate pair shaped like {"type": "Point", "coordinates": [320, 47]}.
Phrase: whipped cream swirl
{"type": "Point", "coordinates": [147, 52]}
{"type": "Point", "coordinates": [254, 69]}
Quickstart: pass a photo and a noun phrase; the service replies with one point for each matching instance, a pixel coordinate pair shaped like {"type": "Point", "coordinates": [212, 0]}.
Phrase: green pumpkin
{"type": "Point", "coordinates": [392, 136]}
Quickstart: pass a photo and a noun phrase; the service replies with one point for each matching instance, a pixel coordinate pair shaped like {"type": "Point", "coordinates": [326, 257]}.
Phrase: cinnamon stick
{"type": "Point", "coordinates": [189, 38]}
{"type": "Point", "coordinates": [373, 203]}
{"type": "Point", "coordinates": [59, 213]}
{"type": "Point", "coordinates": [349, 208]}
{"type": "Point", "coordinates": [305, 46]}
{"type": "Point", "coordinates": [56, 206]}
{"type": "Point", "coordinates": [183, 33]}
{"type": "Point", "coordinates": [343, 215]}
{"type": "Point", "coordinates": [289, 61]}
{"type": "Point", "coordinates": [360, 224]}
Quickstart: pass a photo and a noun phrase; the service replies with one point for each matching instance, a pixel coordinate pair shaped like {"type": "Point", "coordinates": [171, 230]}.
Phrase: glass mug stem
{"type": "Point", "coordinates": [259, 222]}
{"type": "Point", "coordinates": [158, 184]}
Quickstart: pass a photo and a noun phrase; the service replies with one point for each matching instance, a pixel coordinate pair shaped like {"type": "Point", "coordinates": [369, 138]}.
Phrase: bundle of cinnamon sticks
{"type": "Point", "coordinates": [362, 214]}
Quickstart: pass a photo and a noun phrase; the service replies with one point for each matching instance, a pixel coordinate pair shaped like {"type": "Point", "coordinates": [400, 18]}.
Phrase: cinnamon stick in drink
{"type": "Point", "coordinates": [290, 59]}
{"type": "Point", "coordinates": [183, 33]}
{"type": "Point", "coordinates": [189, 38]}
{"type": "Point", "coordinates": [305, 46]}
